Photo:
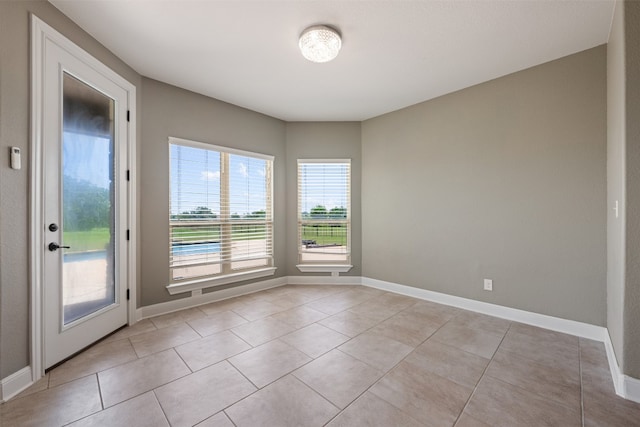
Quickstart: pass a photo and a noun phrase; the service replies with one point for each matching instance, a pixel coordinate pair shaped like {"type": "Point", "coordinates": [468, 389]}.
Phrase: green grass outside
{"type": "Point", "coordinates": [325, 234]}
{"type": "Point", "coordinates": [212, 233]}
{"type": "Point", "coordinates": [89, 240]}
{"type": "Point", "coordinates": [98, 238]}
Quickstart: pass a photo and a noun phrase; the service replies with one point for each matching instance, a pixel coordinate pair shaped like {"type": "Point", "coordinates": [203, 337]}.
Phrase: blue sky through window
{"type": "Point", "coordinates": [195, 181]}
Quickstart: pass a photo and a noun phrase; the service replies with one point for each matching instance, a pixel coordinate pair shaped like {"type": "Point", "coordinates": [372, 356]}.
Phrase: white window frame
{"type": "Point", "coordinates": [227, 275]}
{"type": "Point", "coordinates": [333, 267]}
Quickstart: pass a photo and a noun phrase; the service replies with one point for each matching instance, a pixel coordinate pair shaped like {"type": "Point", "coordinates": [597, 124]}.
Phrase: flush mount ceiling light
{"type": "Point", "coordinates": [320, 43]}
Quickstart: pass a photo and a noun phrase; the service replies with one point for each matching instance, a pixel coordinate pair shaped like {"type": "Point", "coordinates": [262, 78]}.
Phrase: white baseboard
{"type": "Point", "coordinates": [15, 383]}
{"type": "Point", "coordinates": [626, 386]}
{"type": "Point", "coordinates": [572, 327]}
{"type": "Point", "coordinates": [198, 298]}
{"type": "Point", "coordinates": [631, 388]}
{"type": "Point", "coordinates": [324, 280]}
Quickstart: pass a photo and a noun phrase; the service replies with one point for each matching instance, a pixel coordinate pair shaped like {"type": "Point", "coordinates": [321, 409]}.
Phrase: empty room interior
{"type": "Point", "coordinates": [309, 213]}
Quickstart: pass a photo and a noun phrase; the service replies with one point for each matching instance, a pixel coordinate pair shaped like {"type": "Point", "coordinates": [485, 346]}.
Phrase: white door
{"type": "Point", "coordinates": [84, 162]}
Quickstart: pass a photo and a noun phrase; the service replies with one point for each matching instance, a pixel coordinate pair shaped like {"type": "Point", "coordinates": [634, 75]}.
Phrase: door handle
{"type": "Point", "coordinates": [54, 247]}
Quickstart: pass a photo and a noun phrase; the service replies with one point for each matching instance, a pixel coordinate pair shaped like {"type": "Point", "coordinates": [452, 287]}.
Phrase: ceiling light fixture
{"type": "Point", "coordinates": [320, 43]}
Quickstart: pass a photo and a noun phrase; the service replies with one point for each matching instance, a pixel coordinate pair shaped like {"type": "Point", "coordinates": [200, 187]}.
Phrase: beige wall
{"type": "Point", "coordinates": [323, 141]}
{"type": "Point", "coordinates": [171, 111]}
{"type": "Point", "coordinates": [504, 180]}
{"type": "Point", "coordinates": [14, 185]}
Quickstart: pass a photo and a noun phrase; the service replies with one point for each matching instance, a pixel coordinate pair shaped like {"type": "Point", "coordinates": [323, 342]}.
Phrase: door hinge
{"type": "Point", "coordinates": [128, 295]}
{"type": "Point", "coordinates": [128, 175]}
{"type": "Point", "coordinates": [127, 234]}
{"type": "Point", "coordinates": [128, 115]}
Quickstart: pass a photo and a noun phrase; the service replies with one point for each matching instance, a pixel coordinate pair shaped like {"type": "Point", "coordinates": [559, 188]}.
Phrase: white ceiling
{"type": "Point", "coordinates": [394, 54]}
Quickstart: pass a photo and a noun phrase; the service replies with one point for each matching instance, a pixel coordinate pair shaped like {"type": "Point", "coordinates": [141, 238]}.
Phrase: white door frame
{"type": "Point", "coordinates": [41, 33]}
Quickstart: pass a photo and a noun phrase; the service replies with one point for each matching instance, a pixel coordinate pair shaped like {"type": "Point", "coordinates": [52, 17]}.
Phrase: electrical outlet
{"type": "Point", "coordinates": [488, 284]}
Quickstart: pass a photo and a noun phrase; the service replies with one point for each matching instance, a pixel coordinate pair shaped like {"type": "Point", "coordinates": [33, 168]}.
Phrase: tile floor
{"type": "Point", "coordinates": [328, 355]}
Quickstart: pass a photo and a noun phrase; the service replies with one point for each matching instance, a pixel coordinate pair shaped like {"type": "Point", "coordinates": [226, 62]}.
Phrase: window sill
{"type": "Point", "coordinates": [334, 269]}
{"type": "Point", "coordinates": [209, 282]}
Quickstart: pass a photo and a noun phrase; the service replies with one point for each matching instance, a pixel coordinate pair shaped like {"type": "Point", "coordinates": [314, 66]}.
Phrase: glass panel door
{"type": "Point", "coordinates": [87, 200]}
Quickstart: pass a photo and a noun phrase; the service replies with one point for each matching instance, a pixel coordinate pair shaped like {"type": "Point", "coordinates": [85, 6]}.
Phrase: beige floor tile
{"type": "Point", "coordinates": [220, 306]}
{"type": "Point", "coordinates": [349, 323]}
{"type": "Point", "coordinates": [338, 377]}
{"type": "Point", "coordinates": [607, 409]}
{"type": "Point", "coordinates": [371, 291]}
{"type": "Point", "coordinates": [53, 407]}
{"type": "Point", "coordinates": [449, 362]}
{"type": "Point", "coordinates": [217, 322]}
{"type": "Point", "coordinates": [292, 299]}
{"type": "Point", "coordinates": [141, 411]}
{"type": "Point", "coordinates": [131, 379]}
{"type": "Point", "coordinates": [162, 339]}
{"type": "Point", "coordinates": [299, 317]}
{"type": "Point", "coordinates": [501, 404]}
{"type": "Point", "coordinates": [319, 291]}
{"type": "Point", "coordinates": [277, 292]}
{"type": "Point", "coordinates": [40, 385]}
{"type": "Point", "coordinates": [593, 355]}
{"type": "Point", "coordinates": [314, 340]}
{"type": "Point", "coordinates": [97, 358]}
{"type": "Point", "coordinates": [287, 402]}
{"type": "Point", "coordinates": [259, 309]}
{"type": "Point", "coordinates": [371, 411]}
{"type": "Point", "coordinates": [550, 382]}
{"type": "Point", "coordinates": [596, 379]}
{"type": "Point", "coordinates": [177, 317]}
{"type": "Point", "coordinates": [432, 311]}
{"type": "Point", "coordinates": [196, 397]}
{"type": "Point", "coordinates": [534, 378]}
{"type": "Point", "coordinates": [383, 306]}
{"type": "Point", "coordinates": [262, 331]}
{"type": "Point", "coordinates": [482, 322]}
{"type": "Point", "coordinates": [218, 420]}
{"type": "Point", "coordinates": [481, 343]}
{"type": "Point", "coordinates": [378, 351]}
{"type": "Point", "coordinates": [336, 303]}
{"type": "Point", "coordinates": [268, 362]}
{"type": "Point", "coordinates": [543, 346]}
{"type": "Point", "coordinates": [468, 421]}
{"type": "Point", "coordinates": [407, 328]}
{"type": "Point", "coordinates": [428, 398]}
{"type": "Point", "coordinates": [545, 334]}
{"type": "Point", "coordinates": [141, 327]}
{"type": "Point", "coordinates": [210, 350]}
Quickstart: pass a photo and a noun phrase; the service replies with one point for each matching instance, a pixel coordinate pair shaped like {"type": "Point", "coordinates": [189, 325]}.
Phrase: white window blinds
{"type": "Point", "coordinates": [324, 211]}
{"type": "Point", "coordinates": [221, 218]}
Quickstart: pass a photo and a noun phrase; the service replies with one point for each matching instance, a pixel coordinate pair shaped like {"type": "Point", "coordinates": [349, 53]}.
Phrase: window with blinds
{"type": "Point", "coordinates": [324, 211]}
{"type": "Point", "coordinates": [220, 219]}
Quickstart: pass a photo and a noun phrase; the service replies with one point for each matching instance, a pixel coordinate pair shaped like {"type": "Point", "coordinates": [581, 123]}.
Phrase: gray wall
{"type": "Point", "coordinates": [509, 177]}
{"type": "Point", "coordinates": [323, 141]}
{"type": "Point", "coordinates": [616, 181]}
{"type": "Point", "coordinates": [504, 180]}
{"type": "Point", "coordinates": [632, 148]}
{"type": "Point", "coordinates": [623, 184]}
{"type": "Point", "coordinates": [171, 111]}
{"type": "Point", "coordinates": [14, 185]}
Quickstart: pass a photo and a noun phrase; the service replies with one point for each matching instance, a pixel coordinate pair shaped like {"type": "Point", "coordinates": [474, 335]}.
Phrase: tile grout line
{"type": "Point", "coordinates": [155, 396]}
{"type": "Point", "coordinates": [483, 374]}
{"type": "Point", "coordinates": [384, 373]}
